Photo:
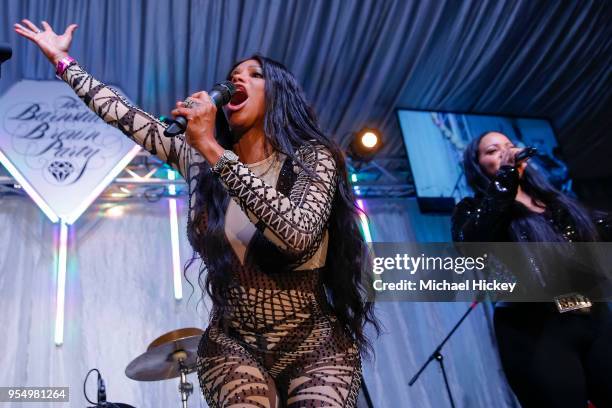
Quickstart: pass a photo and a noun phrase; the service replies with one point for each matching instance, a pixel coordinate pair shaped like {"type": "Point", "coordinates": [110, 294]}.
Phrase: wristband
{"type": "Point", "coordinates": [63, 64]}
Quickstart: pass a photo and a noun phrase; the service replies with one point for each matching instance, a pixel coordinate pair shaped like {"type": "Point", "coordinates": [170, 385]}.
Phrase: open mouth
{"type": "Point", "coordinates": [239, 99]}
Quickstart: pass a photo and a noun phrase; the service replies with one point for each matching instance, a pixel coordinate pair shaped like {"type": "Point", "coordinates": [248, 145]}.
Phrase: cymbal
{"type": "Point", "coordinates": [161, 360]}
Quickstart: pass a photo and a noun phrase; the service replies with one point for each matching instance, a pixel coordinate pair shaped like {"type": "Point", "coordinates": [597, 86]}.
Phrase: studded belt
{"type": "Point", "coordinates": [573, 302]}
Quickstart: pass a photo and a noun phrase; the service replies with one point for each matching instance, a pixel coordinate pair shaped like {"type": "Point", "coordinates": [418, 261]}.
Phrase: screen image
{"type": "Point", "coordinates": [435, 142]}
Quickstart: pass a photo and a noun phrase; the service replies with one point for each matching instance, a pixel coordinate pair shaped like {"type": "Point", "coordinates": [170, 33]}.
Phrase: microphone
{"type": "Point", "coordinates": [5, 53]}
{"type": "Point", "coordinates": [525, 154]}
{"type": "Point", "coordinates": [101, 390]}
{"type": "Point", "coordinates": [221, 94]}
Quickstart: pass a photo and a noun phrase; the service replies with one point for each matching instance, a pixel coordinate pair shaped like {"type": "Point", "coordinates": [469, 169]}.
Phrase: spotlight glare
{"type": "Point", "coordinates": [365, 144]}
{"type": "Point", "coordinates": [369, 139]}
{"type": "Point", "coordinates": [115, 212]}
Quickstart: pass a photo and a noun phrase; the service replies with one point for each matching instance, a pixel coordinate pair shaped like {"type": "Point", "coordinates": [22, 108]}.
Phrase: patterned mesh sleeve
{"type": "Point", "coordinates": [143, 128]}
{"type": "Point", "coordinates": [295, 224]}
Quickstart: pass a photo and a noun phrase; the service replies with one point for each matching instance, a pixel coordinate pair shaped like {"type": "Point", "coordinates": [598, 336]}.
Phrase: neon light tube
{"type": "Point", "coordinates": [365, 226]}
{"type": "Point", "coordinates": [174, 239]}
{"type": "Point", "coordinates": [29, 189]}
{"type": "Point", "coordinates": [62, 259]}
{"type": "Point", "coordinates": [72, 217]}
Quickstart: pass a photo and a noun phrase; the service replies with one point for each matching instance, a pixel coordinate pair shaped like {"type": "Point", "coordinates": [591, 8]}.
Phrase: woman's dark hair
{"type": "Point", "coordinates": [537, 187]}
{"type": "Point", "coordinates": [289, 124]}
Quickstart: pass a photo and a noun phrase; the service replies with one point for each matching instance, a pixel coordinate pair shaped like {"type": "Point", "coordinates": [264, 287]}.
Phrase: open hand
{"type": "Point", "coordinates": [55, 47]}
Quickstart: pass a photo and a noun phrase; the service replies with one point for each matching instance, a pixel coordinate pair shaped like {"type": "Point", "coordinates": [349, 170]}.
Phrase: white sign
{"type": "Point", "coordinates": [60, 151]}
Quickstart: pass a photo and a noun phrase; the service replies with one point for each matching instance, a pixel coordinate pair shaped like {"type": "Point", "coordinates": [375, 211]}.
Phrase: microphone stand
{"type": "Point", "coordinates": [366, 393]}
{"type": "Point", "coordinates": [437, 355]}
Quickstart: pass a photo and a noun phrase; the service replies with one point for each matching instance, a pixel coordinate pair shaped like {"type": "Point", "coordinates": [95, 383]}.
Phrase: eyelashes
{"type": "Point", "coordinates": [496, 150]}
{"type": "Point", "coordinates": [254, 74]}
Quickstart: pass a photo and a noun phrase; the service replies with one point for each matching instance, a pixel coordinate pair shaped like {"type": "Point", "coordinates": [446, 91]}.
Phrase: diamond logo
{"type": "Point", "coordinates": [60, 170]}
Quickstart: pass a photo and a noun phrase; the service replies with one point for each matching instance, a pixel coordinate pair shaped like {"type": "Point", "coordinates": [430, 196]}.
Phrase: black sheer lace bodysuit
{"type": "Point", "coordinates": [278, 344]}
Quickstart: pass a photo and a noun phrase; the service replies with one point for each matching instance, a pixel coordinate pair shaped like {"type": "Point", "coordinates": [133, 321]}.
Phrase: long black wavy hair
{"type": "Point", "coordinates": [289, 124]}
{"type": "Point", "coordinates": [538, 188]}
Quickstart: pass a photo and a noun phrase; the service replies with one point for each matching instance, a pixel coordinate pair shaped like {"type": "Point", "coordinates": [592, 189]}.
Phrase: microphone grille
{"type": "Point", "coordinates": [227, 90]}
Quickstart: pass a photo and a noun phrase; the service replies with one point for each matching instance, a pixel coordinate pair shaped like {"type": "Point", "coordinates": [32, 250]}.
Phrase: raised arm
{"type": "Point", "coordinates": [482, 220]}
{"type": "Point", "coordinates": [140, 126]}
{"type": "Point", "coordinates": [143, 128]}
{"type": "Point", "coordinates": [295, 224]}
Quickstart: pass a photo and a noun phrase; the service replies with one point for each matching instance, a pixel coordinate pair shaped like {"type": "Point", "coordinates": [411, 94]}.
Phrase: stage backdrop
{"type": "Point", "coordinates": [357, 59]}
{"type": "Point", "coordinates": [119, 297]}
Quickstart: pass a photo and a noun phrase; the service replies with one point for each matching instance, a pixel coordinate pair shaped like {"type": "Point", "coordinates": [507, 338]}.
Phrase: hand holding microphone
{"type": "Point", "coordinates": [517, 157]}
{"type": "Point", "coordinates": [199, 113]}
{"type": "Point", "coordinates": [525, 154]}
{"type": "Point", "coordinates": [220, 95]}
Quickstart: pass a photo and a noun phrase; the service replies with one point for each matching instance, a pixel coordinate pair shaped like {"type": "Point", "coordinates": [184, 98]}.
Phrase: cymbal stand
{"type": "Point", "coordinates": [185, 387]}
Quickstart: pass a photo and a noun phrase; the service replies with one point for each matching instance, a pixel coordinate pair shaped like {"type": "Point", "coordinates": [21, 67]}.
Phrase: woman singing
{"type": "Point", "coordinates": [272, 216]}
{"type": "Point", "coordinates": [550, 359]}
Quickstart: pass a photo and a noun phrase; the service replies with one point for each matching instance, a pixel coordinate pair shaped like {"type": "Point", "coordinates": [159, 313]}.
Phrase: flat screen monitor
{"type": "Point", "coordinates": [435, 142]}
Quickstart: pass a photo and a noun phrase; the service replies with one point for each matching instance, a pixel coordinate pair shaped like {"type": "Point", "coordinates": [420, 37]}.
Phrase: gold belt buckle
{"type": "Point", "coordinates": [572, 301]}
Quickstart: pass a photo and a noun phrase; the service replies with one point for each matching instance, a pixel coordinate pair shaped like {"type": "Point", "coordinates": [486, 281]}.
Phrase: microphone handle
{"type": "Point", "coordinates": [525, 154]}
{"type": "Point", "coordinates": [180, 123]}
{"type": "Point", "coordinates": [177, 127]}
{"type": "Point", "coordinates": [5, 52]}
{"type": "Point", "coordinates": [101, 390]}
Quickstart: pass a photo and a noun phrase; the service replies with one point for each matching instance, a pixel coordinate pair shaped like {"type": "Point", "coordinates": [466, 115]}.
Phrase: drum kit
{"type": "Point", "coordinates": [171, 355]}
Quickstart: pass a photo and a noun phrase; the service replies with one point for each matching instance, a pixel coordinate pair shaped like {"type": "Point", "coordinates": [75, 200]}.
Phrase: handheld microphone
{"type": "Point", "coordinates": [101, 390]}
{"type": "Point", "coordinates": [5, 52]}
{"type": "Point", "coordinates": [525, 154]}
{"type": "Point", "coordinates": [221, 94]}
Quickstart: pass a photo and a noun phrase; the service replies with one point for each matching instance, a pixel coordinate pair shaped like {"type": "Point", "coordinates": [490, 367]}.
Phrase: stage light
{"type": "Point", "coordinates": [62, 261]}
{"type": "Point", "coordinates": [171, 187]}
{"type": "Point", "coordinates": [369, 140]}
{"type": "Point", "coordinates": [365, 225]}
{"type": "Point", "coordinates": [365, 144]}
{"type": "Point", "coordinates": [115, 212]}
{"type": "Point", "coordinates": [355, 187]}
{"type": "Point", "coordinates": [174, 239]}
